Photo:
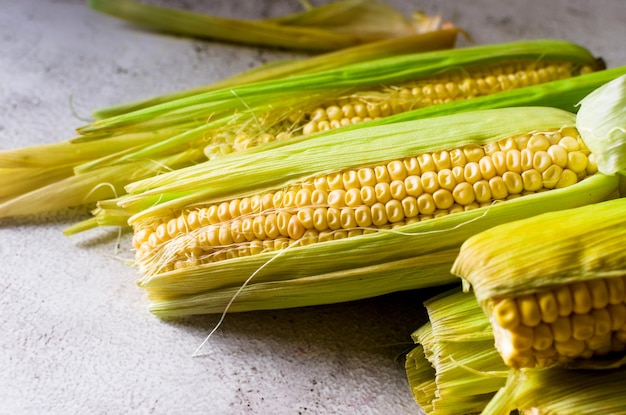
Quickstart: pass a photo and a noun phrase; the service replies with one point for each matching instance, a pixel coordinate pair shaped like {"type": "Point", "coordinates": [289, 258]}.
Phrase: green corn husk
{"type": "Point", "coordinates": [422, 42]}
{"type": "Point", "coordinates": [209, 288]}
{"type": "Point", "coordinates": [454, 369]}
{"type": "Point", "coordinates": [332, 26]}
{"type": "Point", "coordinates": [561, 391]}
{"type": "Point", "coordinates": [601, 122]}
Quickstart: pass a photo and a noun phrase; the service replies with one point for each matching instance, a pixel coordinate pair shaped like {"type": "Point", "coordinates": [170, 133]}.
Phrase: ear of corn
{"type": "Point", "coordinates": [518, 64]}
{"type": "Point", "coordinates": [561, 295]}
{"type": "Point", "coordinates": [454, 369]}
{"type": "Point", "coordinates": [327, 27]}
{"type": "Point", "coordinates": [300, 106]}
{"type": "Point", "coordinates": [191, 269]}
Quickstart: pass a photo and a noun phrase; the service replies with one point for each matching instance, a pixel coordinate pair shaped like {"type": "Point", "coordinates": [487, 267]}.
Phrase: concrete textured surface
{"type": "Point", "coordinates": [75, 334]}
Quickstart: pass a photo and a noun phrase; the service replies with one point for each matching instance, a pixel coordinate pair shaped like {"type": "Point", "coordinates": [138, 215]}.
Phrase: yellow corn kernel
{"type": "Point", "coordinates": [581, 297]}
{"type": "Point", "coordinates": [618, 316]}
{"type": "Point", "coordinates": [617, 292]}
{"type": "Point", "coordinates": [571, 348]}
{"type": "Point", "coordinates": [543, 337]}
{"type": "Point", "coordinates": [506, 313]}
{"type": "Point", "coordinates": [529, 310]}
{"type": "Point", "coordinates": [561, 329]}
{"type": "Point", "coordinates": [548, 306]}
{"type": "Point", "coordinates": [582, 326]}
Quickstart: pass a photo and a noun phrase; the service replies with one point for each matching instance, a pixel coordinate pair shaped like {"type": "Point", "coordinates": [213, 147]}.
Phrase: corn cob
{"type": "Point", "coordinates": [187, 273]}
{"type": "Point", "coordinates": [454, 368]}
{"type": "Point", "coordinates": [561, 297]}
{"type": "Point", "coordinates": [409, 81]}
{"type": "Point", "coordinates": [361, 200]}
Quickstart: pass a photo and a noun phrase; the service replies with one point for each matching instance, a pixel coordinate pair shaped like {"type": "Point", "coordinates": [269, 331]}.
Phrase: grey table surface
{"type": "Point", "coordinates": [75, 333]}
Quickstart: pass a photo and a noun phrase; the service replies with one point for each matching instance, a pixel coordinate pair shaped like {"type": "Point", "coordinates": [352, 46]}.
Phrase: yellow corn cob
{"type": "Point", "coordinates": [416, 188]}
{"type": "Point", "coordinates": [553, 285]}
{"type": "Point", "coordinates": [361, 200]}
{"type": "Point", "coordinates": [343, 110]}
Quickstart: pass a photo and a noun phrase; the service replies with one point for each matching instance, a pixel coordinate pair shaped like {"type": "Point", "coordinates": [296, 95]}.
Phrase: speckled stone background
{"type": "Point", "coordinates": [75, 335]}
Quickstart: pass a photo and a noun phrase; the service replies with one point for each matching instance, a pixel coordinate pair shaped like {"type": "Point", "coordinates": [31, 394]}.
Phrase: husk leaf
{"type": "Point", "coordinates": [601, 121]}
{"type": "Point", "coordinates": [319, 288]}
{"type": "Point", "coordinates": [550, 249]}
{"type": "Point", "coordinates": [561, 391]}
